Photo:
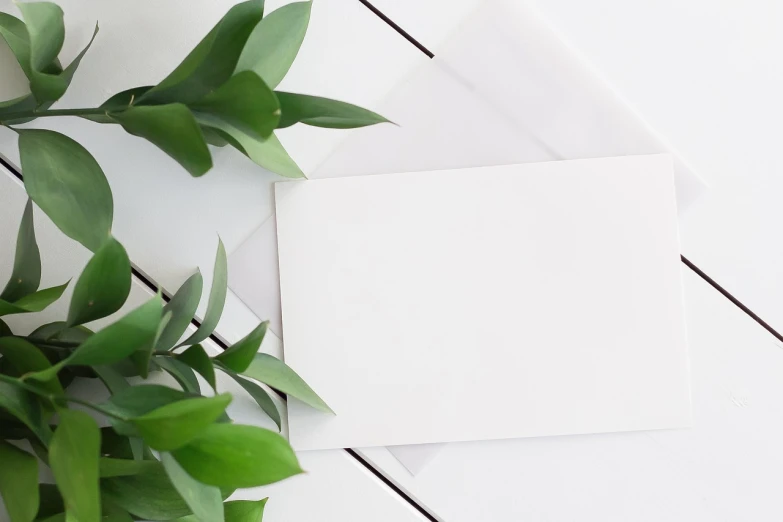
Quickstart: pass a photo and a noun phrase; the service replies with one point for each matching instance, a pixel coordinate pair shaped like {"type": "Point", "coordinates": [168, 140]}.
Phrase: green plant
{"type": "Point", "coordinates": [161, 453]}
{"type": "Point", "coordinates": [221, 94]}
{"type": "Point", "coordinates": [111, 472]}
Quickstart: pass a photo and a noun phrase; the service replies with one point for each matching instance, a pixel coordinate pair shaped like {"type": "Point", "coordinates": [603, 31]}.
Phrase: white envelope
{"type": "Point", "coordinates": [503, 89]}
{"type": "Point", "coordinates": [553, 287]}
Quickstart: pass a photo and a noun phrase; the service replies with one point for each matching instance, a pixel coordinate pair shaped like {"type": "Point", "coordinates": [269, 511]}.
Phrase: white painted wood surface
{"type": "Point", "coordinates": [706, 75]}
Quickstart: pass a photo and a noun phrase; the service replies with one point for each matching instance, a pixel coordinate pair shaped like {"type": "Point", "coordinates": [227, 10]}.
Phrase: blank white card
{"type": "Point", "coordinates": [484, 303]}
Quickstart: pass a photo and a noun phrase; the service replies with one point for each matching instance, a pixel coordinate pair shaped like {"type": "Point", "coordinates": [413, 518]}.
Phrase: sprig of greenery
{"type": "Point", "coordinates": [221, 94]}
{"type": "Point", "coordinates": [203, 456]}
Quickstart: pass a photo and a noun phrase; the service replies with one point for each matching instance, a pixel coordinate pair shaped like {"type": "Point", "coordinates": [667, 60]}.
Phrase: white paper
{"type": "Point", "coordinates": [503, 89]}
{"type": "Point", "coordinates": [553, 286]}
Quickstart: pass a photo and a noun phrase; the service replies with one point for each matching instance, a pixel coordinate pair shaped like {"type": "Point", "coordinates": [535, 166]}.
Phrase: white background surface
{"type": "Point", "coordinates": [531, 282]}
{"type": "Point", "coordinates": [706, 74]}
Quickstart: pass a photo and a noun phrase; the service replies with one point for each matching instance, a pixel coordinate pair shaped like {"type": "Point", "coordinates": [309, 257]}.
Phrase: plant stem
{"type": "Point", "coordinates": [21, 115]}
{"type": "Point", "coordinates": [52, 343]}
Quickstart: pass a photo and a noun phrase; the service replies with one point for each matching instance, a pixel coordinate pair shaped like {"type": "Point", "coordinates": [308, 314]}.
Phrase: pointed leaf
{"type": "Point", "coordinates": [20, 104]}
{"type": "Point", "coordinates": [181, 373]}
{"type": "Point", "coordinates": [275, 42]}
{"type": "Point", "coordinates": [174, 425]}
{"type": "Point", "coordinates": [24, 406]}
{"type": "Point", "coordinates": [26, 274]}
{"type": "Point", "coordinates": [141, 399]}
{"type": "Point", "coordinates": [182, 308]}
{"type": "Point", "coordinates": [268, 153]}
{"type": "Point", "coordinates": [103, 286]}
{"type": "Point", "coordinates": [197, 358]}
{"type": "Point", "coordinates": [73, 457]}
{"type": "Point", "coordinates": [239, 356]}
{"type": "Point", "coordinates": [205, 501]}
{"type": "Point", "coordinates": [173, 129]}
{"type": "Point", "coordinates": [118, 340]}
{"type": "Point", "coordinates": [34, 302]}
{"type": "Point", "coordinates": [217, 298]}
{"type": "Point", "coordinates": [276, 374]}
{"type": "Point", "coordinates": [228, 455]}
{"type": "Point", "coordinates": [26, 358]}
{"type": "Point", "coordinates": [213, 60]}
{"type": "Point", "coordinates": [141, 357]}
{"type": "Point", "coordinates": [260, 395]}
{"type": "Point", "coordinates": [14, 32]}
{"type": "Point", "coordinates": [244, 510]}
{"type": "Point", "coordinates": [245, 102]}
{"type": "Point", "coordinates": [46, 31]}
{"type": "Point", "coordinates": [111, 378]}
{"type": "Point", "coordinates": [67, 183]}
{"type": "Point", "coordinates": [68, 72]}
{"type": "Point", "coordinates": [19, 483]}
{"type": "Point", "coordinates": [148, 495]}
{"type": "Point", "coordinates": [111, 467]}
{"type": "Point", "coordinates": [323, 112]}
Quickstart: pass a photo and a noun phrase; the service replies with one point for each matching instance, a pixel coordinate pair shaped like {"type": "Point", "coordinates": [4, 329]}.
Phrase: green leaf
{"type": "Point", "coordinates": [5, 331]}
{"type": "Point", "coordinates": [212, 136]}
{"type": "Point", "coordinates": [34, 302]}
{"type": "Point", "coordinates": [46, 30]}
{"type": "Point", "coordinates": [239, 356]}
{"type": "Point", "coordinates": [26, 274]}
{"type": "Point", "coordinates": [217, 298]}
{"type": "Point", "coordinates": [23, 405]}
{"type": "Point", "coordinates": [24, 103]}
{"type": "Point", "coordinates": [237, 456]}
{"type": "Point", "coordinates": [275, 42]}
{"type": "Point", "coordinates": [111, 467]}
{"type": "Point", "coordinates": [73, 457]}
{"type": "Point", "coordinates": [15, 34]}
{"type": "Point", "coordinates": [67, 74]}
{"type": "Point", "coordinates": [118, 340]}
{"type": "Point", "coordinates": [123, 100]}
{"type": "Point", "coordinates": [181, 372]}
{"type": "Point", "coordinates": [244, 510]}
{"type": "Point", "coordinates": [173, 129]}
{"type": "Point", "coordinates": [141, 357]}
{"type": "Point", "coordinates": [268, 153]}
{"type": "Point", "coordinates": [213, 60]}
{"type": "Point", "coordinates": [260, 395]}
{"type": "Point", "coordinates": [67, 183]}
{"type": "Point", "coordinates": [205, 501]}
{"type": "Point", "coordinates": [148, 495]}
{"type": "Point", "coordinates": [323, 112]}
{"type": "Point", "coordinates": [141, 399]}
{"type": "Point", "coordinates": [19, 483]}
{"type": "Point", "coordinates": [111, 378]}
{"type": "Point", "coordinates": [244, 102]}
{"type": "Point", "coordinates": [276, 374]}
{"type": "Point", "coordinates": [197, 358]}
{"type": "Point", "coordinates": [182, 307]}
{"type": "Point", "coordinates": [103, 286]}
{"type": "Point", "coordinates": [174, 425]}
{"type": "Point", "coordinates": [26, 358]}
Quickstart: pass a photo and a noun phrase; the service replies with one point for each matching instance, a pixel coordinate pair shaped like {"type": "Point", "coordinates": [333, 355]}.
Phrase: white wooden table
{"type": "Point", "coordinates": [705, 75]}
